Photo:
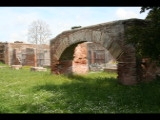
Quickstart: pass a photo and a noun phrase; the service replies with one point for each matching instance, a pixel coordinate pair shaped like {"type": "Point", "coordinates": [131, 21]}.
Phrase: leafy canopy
{"type": "Point", "coordinates": [146, 37]}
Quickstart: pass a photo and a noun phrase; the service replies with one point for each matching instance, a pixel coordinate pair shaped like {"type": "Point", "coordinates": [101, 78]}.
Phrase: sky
{"type": "Point", "coordinates": [15, 21]}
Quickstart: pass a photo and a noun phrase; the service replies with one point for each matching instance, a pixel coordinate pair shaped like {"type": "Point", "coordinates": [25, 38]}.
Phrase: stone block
{"type": "Point", "coordinates": [38, 69]}
{"type": "Point", "coordinates": [16, 67]}
{"type": "Point", "coordinates": [2, 66]}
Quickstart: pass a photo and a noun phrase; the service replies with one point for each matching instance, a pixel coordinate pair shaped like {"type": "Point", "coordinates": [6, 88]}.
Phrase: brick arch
{"type": "Point", "coordinates": [110, 35]}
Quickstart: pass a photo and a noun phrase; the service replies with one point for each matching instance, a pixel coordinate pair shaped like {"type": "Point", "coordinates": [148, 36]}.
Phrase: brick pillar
{"type": "Point", "coordinates": [30, 56]}
{"type": "Point", "coordinates": [6, 54]}
{"type": "Point", "coordinates": [127, 73]}
{"type": "Point", "coordinates": [35, 57]}
{"type": "Point", "coordinates": [15, 60]}
{"type": "Point", "coordinates": [54, 67]}
{"type": "Point", "coordinates": [92, 56]}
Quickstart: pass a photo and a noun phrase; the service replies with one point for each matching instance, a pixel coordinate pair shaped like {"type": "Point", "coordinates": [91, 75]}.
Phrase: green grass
{"type": "Point", "coordinates": [23, 91]}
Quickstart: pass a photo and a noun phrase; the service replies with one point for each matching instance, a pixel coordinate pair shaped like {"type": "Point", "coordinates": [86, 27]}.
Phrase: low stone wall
{"type": "Point", "coordinates": [38, 69]}
{"type": "Point", "coordinates": [2, 66]}
{"type": "Point", "coordinates": [17, 67]}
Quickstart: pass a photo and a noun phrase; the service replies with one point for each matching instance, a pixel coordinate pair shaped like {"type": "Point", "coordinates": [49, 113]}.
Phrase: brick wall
{"type": "Point", "coordinates": [80, 61]}
{"type": "Point", "coordinates": [30, 58]}
{"type": "Point", "coordinates": [98, 57]}
{"type": "Point", "coordinates": [73, 60]}
{"type": "Point", "coordinates": [77, 59]}
{"type": "Point", "coordinates": [20, 53]}
{"type": "Point", "coordinates": [2, 50]}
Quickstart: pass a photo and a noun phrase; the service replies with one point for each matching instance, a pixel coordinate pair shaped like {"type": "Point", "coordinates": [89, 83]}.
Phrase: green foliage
{"type": "Point", "coordinates": [146, 36]}
{"type": "Point", "coordinates": [2, 64]}
{"type": "Point", "coordinates": [23, 91]}
{"type": "Point", "coordinates": [26, 67]}
{"type": "Point", "coordinates": [152, 8]}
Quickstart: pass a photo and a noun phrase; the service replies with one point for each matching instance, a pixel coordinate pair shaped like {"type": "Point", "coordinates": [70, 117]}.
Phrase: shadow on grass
{"type": "Point", "coordinates": [98, 95]}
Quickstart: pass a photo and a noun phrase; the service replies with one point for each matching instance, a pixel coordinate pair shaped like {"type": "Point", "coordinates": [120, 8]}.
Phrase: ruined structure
{"type": "Point", "coordinates": [2, 52]}
{"type": "Point", "coordinates": [19, 53]}
{"type": "Point", "coordinates": [110, 35]}
{"type": "Point", "coordinates": [87, 57]}
{"type": "Point", "coordinates": [99, 58]}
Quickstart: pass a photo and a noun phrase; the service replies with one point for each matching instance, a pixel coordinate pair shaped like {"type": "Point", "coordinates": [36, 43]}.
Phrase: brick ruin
{"type": "Point", "coordinates": [19, 53]}
{"type": "Point", "coordinates": [80, 50]}
{"type": "Point", "coordinates": [110, 35]}
{"type": "Point", "coordinates": [88, 56]}
{"type": "Point", "coordinates": [99, 58]}
{"type": "Point", "coordinates": [84, 57]}
{"type": "Point", "coordinates": [2, 52]}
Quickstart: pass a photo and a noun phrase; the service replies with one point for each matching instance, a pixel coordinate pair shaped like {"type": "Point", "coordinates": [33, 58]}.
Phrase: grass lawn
{"type": "Point", "coordinates": [23, 91]}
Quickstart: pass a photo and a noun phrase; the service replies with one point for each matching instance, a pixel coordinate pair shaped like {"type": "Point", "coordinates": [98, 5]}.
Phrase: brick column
{"type": "Point", "coordinates": [35, 57]}
{"type": "Point", "coordinates": [127, 74]}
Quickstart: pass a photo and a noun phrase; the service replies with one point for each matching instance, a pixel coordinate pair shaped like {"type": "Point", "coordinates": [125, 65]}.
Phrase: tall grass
{"type": "Point", "coordinates": [23, 91]}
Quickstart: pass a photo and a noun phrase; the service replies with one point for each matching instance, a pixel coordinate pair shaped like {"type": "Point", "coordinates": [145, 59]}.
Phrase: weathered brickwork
{"type": "Point", "coordinates": [74, 60]}
{"type": "Point", "coordinates": [127, 66]}
{"type": "Point", "coordinates": [3, 52]}
{"type": "Point", "coordinates": [110, 35]}
{"type": "Point", "coordinates": [99, 58]}
{"type": "Point", "coordinates": [30, 57]}
{"type": "Point", "coordinates": [80, 61]}
{"type": "Point", "coordinates": [149, 70]}
{"type": "Point", "coordinates": [20, 53]}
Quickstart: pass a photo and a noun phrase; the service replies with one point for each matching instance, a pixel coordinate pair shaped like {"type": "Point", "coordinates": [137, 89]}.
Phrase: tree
{"type": "Point", "coordinates": [39, 34]}
{"type": "Point", "coordinates": [146, 37]}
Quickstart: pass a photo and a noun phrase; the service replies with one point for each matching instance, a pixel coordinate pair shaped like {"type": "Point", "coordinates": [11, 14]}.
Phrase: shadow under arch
{"type": "Point", "coordinates": [84, 57]}
{"type": "Point", "coordinates": [66, 63]}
